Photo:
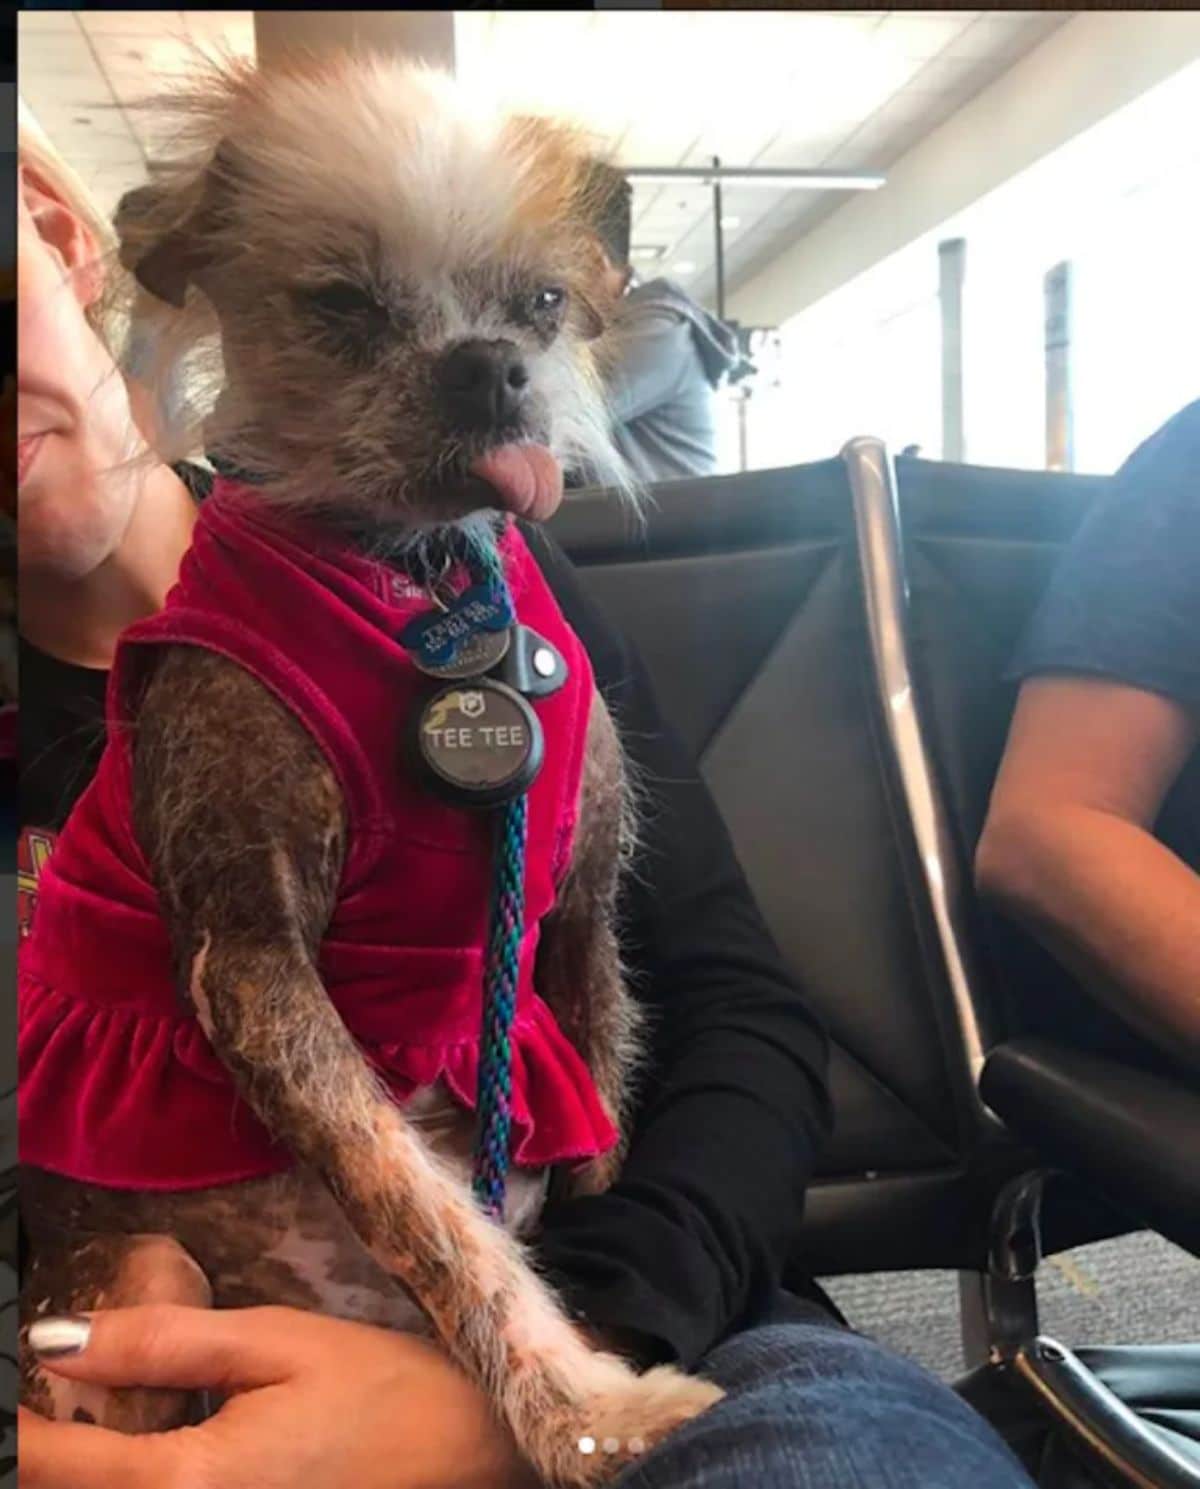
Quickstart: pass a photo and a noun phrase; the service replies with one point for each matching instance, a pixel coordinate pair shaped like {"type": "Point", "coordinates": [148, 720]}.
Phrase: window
{"type": "Point", "coordinates": [866, 360]}
{"type": "Point", "coordinates": [1119, 203]}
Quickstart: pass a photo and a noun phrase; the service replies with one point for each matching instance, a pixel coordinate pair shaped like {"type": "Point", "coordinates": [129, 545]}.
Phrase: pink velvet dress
{"type": "Point", "coordinates": [119, 1085]}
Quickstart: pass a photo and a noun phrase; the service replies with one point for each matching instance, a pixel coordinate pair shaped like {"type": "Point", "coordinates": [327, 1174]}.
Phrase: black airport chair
{"type": "Point", "coordinates": [774, 612]}
{"type": "Point", "coordinates": [1072, 1081]}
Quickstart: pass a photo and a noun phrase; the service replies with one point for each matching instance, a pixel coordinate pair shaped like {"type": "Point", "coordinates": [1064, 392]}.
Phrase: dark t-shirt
{"type": "Point", "coordinates": [1124, 602]}
{"type": "Point", "coordinates": [690, 1243]}
{"type": "Point", "coordinates": [61, 734]}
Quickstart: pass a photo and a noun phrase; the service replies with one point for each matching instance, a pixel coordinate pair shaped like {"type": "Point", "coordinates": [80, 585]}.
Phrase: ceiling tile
{"type": "Point", "coordinates": [130, 22]}
{"type": "Point", "coordinates": [132, 82]}
{"type": "Point", "coordinates": [904, 107]}
{"type": "Point", "coordinates": [944, 72]}
{"type": "Point", "coordinates": [669, 221]}
{"type": "Point", "coordinates": [866, 152]}
{"type": "Point", "coordinates": [773, 88]}
{"type": "Point", "coordinates": [54, 52]}
{"type": "Point", "coordinates": [45, 22]}
{"type": "Point", "coordinates": [737, 141]}
{"type": "Point", "coordinates": [103, 137]}
{"type": "Point", "coordinates": [228, 28]}
{"type": "Point", "coordinates": [866, 17]}
{"type": "Point", "coordinates": [996, 32]}
{"type": "Point", "coordinates": [101, 123]}
{"type": "Point", "coordinates": [134, 61]}
{"type": "Point", "coordinates": [664, 140]}
{"type": "Point", "coordinates": [757, 47]}
{"type": "Point", "coordinates": [695, 245]}
{"type": "Point", "coordinates": [155, 133]}
{"type": "Point", "coordinates": [788, 218]}
{"type": "Point", "coordinates": [923, 34]}
{"type": "Point", "coordinates": [54, 99]}
{"type": "Point", "coordinates": [808, 150]}
{"type": "Point", "coordinates": [65, 87]}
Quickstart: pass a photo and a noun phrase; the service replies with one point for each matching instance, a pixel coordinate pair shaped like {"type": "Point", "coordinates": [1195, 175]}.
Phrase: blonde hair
{"type": "Point", "coordinates": [110, 314]}
{"type": "Point", "coordinates": [106, 313]}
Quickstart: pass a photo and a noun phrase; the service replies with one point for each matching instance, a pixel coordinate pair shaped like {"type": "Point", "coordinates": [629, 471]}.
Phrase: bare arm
{"type": "Point", "coordinates": [1068, 847]}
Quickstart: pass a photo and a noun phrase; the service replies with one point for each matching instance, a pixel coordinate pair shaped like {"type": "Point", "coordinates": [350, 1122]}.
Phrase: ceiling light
{"type": "Point", "coordinates": [728, 223]}
{"type": "Point", "coordinates": [683, 268]}
{"type": "Point", "coordinates": [775, 179]}
{"type": "Point", "coordinates": [647, 251]}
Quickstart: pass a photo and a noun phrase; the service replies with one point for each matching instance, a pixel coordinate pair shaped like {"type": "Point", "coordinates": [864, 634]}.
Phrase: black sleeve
{"type": "Point", "coordinates": [1124, 602]}
{"type": "Point", "coordinates": [691, 1240]}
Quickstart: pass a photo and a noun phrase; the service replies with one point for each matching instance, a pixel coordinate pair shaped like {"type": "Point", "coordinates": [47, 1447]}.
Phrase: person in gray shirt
{"type": "Point", "coordinates": [670, 355]}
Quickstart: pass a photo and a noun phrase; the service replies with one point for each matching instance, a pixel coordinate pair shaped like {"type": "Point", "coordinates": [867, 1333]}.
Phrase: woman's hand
{"type": "Point", "coordinates": [313, 1403]}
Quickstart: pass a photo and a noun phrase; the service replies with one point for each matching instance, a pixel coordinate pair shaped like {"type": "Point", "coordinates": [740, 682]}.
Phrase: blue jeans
{"type": "Point", "coordinates": [813, 1406]}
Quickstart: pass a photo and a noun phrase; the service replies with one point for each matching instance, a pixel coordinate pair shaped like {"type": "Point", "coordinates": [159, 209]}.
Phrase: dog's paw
{"type": "Point", "coordinates": [651, 1407]}
{"type": "Point", "coordinates": [622, 1418]}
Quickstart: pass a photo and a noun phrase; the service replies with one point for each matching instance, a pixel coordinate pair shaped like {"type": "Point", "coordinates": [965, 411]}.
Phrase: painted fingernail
{"type": "Point", "coordinates": [54, 1338]}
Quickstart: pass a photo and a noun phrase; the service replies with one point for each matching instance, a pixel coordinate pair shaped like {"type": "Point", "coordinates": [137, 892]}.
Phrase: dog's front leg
{"type": "Point", "coordinates": [242, 822]}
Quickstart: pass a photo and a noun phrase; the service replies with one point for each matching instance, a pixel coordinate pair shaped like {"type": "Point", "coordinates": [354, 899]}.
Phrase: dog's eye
{"type": "Point", "coordinates": [347, 318]}
{"type": "Point", "coordinates": [342, 299]}
{"type": "Point", "coordinates": [548, 301]}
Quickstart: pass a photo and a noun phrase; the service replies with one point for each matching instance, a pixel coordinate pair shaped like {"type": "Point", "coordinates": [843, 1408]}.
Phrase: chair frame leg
{"type": "Point", "coordinates": [998, 1308]}
{"type": "Point", "coordinates": [1000, 1330]}
{"type": "Point", "coordinates": [997, 1317]}
{"type": "Point", "coordinates": [1101, 1419]}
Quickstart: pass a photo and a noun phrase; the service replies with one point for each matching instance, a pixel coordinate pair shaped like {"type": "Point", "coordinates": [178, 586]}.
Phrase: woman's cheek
{"type": "Point", "coordinates": [46, 314]}
{"type": "Point", "coordinates": [71, 515]}
{"type": "Point", "coordinates": [74, 500]}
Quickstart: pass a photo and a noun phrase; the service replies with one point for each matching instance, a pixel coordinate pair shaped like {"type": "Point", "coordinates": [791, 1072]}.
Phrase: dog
{"type": "Point", "coordinates": [390, 303]}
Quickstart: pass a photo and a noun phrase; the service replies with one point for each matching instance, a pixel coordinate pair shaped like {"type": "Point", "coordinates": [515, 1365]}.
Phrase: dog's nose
{"type": "Point", "coordinates": [484, 384]}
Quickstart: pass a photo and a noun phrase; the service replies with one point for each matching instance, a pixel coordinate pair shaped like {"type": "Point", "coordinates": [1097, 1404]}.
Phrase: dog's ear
{"type": "Point", "coordinates": [592, 300]}
{"type": "Point", "coordinates": [166, 266]}
{"type": "Point", "coordinates": [591, 322]}
{"type": "Point", "coordinates": [167, 263]}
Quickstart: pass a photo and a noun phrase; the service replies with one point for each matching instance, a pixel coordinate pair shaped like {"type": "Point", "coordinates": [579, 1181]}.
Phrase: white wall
{"type": "Point", "coordinates": [1094, 64]}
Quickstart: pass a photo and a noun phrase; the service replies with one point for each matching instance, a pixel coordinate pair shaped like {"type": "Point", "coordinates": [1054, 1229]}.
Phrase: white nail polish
{"type": "Point", "coordinates": [52, 1338]}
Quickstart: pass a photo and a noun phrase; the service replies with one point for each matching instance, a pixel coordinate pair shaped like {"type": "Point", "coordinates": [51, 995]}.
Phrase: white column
{"type": "Point", "coordinates": [952, 268]}
{"type": "Point", "coordinates": [1060, 393]}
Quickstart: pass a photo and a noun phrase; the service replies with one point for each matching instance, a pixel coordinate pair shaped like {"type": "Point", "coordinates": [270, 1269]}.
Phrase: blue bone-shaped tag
{"type": "Point", "coordinates": [434, 638]}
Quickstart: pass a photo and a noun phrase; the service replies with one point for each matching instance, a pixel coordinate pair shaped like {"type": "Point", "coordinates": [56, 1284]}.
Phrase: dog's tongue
{"type": "Point", "coordinates": [527, 479]}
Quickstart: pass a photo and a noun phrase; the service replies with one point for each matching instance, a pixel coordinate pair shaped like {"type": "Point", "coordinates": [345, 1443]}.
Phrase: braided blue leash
{"type": "Point", "coordinates": [499, 1004]}
{"type": "Point", "coordinates": [506, 931]}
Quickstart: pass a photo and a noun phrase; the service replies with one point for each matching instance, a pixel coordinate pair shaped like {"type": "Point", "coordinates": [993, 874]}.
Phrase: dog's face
{"type": "Point", "coordinates": [406, 291]}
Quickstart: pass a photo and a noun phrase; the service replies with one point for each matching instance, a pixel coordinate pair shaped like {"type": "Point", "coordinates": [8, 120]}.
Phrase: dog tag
{"type": "Point", "coordinates": [433, 639]}
{"type": "Point", "coordinates": [479, 745]}
{"type": "Point", "coordinates": [478, 654]}
{"type": "Point", "coordinates": [531, 665]}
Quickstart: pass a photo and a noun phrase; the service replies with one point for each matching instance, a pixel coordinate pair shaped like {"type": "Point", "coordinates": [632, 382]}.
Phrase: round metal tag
{"type": "Point", "coordinates": [478, 654]}
{"type": "Point", "coordinates": [480, 745]}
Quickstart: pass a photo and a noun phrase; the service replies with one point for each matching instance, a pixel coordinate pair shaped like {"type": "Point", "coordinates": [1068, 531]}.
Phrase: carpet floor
{"type": "Point", "coordinates": [1137, 1289]}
